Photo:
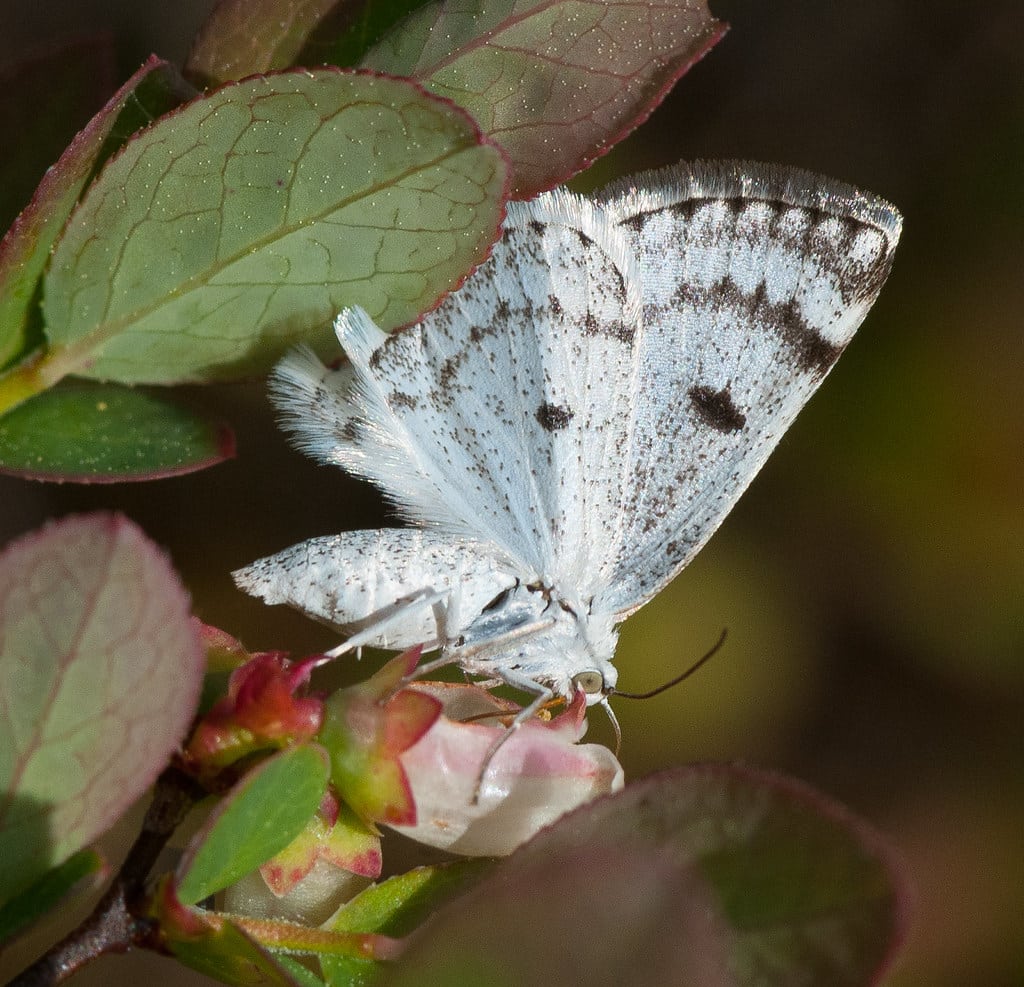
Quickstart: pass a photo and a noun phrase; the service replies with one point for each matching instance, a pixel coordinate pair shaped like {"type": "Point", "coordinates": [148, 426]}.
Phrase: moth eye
{"type": "Point", "coordinates": [591, 682]}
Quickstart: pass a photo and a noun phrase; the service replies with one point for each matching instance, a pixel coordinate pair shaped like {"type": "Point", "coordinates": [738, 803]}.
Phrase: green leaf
{"type": "Point", "coordinates": [396, 907]}
{"type": "Point", "coordinates": [556, 82]}
{"type": "Point", "coordinates": [103, 433]}
{"type": "Point", "coordinates": [100, 670]}
{"type": "Point", "coordinates": [258, 818]}
{"type": "Point", "coordinates": [810, 894]}
{"type": "Point", "coordinates": [80, 870]}
{"type": "Point", "coordinates": [26, 247]}
{"type": "Point", "coordinates": [248, 219]}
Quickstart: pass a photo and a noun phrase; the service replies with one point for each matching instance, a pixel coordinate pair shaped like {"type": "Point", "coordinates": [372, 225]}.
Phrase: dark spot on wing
{"type": "Point", "coordinates": [403, 400]}
{"type": "Point", "coordinates": [553, 417]}
{"type": "Point", "coordinates": [449, 370]}
{"type": "Point", "coordinates": [349, 431]}
{"type": "Point", "coordinates": [536, 226]}
{"type": "Point", "coordinates": [716, 408]}
{"type": "Point", "coordinates": [592, 326]}
{"type": "Point", "coordinates": [586, 241]}
{"type": "Point", "coordinates": [556, 305]}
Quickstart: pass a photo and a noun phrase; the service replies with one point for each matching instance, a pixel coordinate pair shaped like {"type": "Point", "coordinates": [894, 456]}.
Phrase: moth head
{"type": "Point", "coordinates": [596, 683]}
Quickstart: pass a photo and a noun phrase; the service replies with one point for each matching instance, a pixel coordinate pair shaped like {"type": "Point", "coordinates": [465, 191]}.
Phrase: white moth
{"type": "Point", "coordinates": [567, 430]}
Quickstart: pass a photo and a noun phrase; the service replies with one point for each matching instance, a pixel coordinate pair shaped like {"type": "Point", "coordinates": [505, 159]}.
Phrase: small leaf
{"type": "Point", "coordinates": [366, 728]}
{"type": "Point", "coordinates": [399, 905]}
{"type": "Point", "coordinates": [810, 893]}
{"type": "Point", "coordinates": [346, 843]}
{"type": "Point", "coordinates": [261, 709]}
{"type": "Point", "coordinates": [592, 914]}
{"type": "Point", "coordinates": [247, 220]}
{"type": "Point", "coordinates": [81, 870]}
{"type": "Point", "coordinates": [555, 83]}
{"type": "Point", "coordinates": [258, 818]}
{"type": "Point", "coordinates": [26, 247]}
{"type": "Point", "coordinates": [396, 907]}
{"type": "Point", "coordinates": [100, 670]}
{"type": "Point", "coordinates": [224, 652]}
{"type": "Point", "coordinates": [103, 433]}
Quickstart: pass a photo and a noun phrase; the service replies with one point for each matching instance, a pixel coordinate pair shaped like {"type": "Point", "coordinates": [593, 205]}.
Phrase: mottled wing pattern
{"type": "Point", "coordinates": [504, 416]}
{"type": "Point", "coordinates": [361, 578]}
{"type": "Point", "coordinates": [755, 279]}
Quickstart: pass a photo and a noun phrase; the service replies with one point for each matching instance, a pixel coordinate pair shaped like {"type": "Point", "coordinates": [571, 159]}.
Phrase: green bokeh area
{"type": "Point", "coordinates": [104, 433]}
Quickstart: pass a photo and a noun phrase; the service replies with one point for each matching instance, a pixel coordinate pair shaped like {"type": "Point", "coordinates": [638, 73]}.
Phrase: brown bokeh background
{"type": "Point", "coordinates": [872, 578]}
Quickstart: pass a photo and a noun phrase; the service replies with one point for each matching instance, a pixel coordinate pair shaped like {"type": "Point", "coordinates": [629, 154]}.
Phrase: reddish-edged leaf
{"type": "Point", "coordinates": [224, 652]}
{"type": "Point", "coordinates": [26, 247]}
{"type": "Point", "coordinates": [344, 842]}
{"type": "Point", "coordinates": [366, 728]}
{"type": "Point", "coordinates": [556, 82]}
{"type": "Point", "coordinates": [261, 709]}
{"type": "Point", "coordinates": [102, 433]}
{"type": "Point", "coordinates": [248, 219]}
{"type": "Point", "coordinates": [100, 669]}
{"type": "Point", "coordinates": [70, 81]}
{"type": "Point", "coordinates": [810, 894]}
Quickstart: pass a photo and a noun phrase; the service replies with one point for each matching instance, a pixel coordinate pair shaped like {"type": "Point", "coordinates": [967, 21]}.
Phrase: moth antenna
{"type": "Point", "coordinates": [679, 678]}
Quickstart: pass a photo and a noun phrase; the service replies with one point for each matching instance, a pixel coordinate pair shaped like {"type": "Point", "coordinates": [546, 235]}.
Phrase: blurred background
{"type": "Point", "coordinates": [872, 578]}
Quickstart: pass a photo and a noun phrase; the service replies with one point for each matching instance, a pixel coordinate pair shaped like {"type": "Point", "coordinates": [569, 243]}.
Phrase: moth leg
{"type": "Point", "coordinates": [447, 614]}
{"type": "Point", "coordinates": [498, 643]}
{"type": "Point", "coordinates": [543, 694]}
{"type": "Point", "coordinates": [421, 598]}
